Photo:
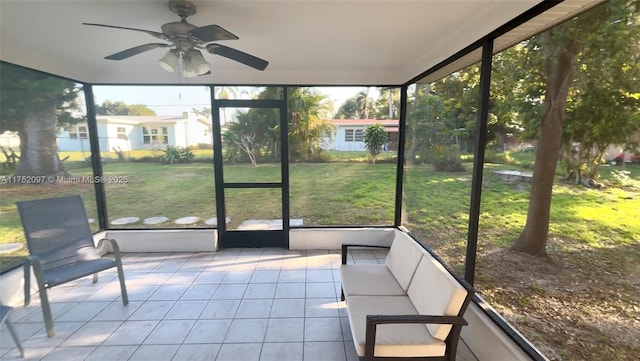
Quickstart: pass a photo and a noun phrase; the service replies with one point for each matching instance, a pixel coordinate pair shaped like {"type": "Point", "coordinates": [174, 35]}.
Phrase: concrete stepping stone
{"type": "Point", "coordinates": [187, 220]}
{"type": "Point", "coordinates": [10, 247]}
{"type": "Point", "coordinates": [155, 220]}
{"type": "Point", "coordinates": [125, 220]}
{"type": "Point", "coordinates": [271, 224]}
{"type": "Point", "coordinates": [214, 221]}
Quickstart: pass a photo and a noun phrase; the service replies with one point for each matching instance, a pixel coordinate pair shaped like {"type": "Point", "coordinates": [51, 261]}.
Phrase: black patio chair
{"type": "Point", "coordinates": [61, 248]}
{"type": "Point", "coordinates": [4, 317]}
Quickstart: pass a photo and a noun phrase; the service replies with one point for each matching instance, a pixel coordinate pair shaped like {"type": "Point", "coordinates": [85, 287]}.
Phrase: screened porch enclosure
{"type": "Point", "coordinates": [248, 171]}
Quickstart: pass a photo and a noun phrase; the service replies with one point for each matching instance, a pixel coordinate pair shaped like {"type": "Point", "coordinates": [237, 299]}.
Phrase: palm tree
{"type": "Point", "coordinates": [364, 103]}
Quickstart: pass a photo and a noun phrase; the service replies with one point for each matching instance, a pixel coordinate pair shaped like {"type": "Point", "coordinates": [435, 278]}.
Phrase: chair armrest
{"type": "Point", "coordinates": [374, 320]}
{"type": "Point", "coordinates": [32, 260]}
{"type": "Point", "coordinates": [345, 249]}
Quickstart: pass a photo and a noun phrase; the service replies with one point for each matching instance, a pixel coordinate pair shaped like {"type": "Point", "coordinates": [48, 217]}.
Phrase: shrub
{"type": "Point", "coordinates": [491, 156]}
{"type": "Point", "coordinates": [174, 155]}
{"type": "Point", "coordinates": [448, 165]}
{"type": "Point", "coordinates": [448, 161]}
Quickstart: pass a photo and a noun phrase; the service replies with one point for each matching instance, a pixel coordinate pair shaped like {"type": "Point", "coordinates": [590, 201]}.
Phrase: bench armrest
{"type": "Point", "coordinates": [345, 249]}
{"type": "Point", "coordinates": [374, 320]}
{"type": "Point", "coordinates": [427, 319]}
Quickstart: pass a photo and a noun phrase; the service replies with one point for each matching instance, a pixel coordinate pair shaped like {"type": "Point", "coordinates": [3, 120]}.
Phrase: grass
{"type": "Point", "coordinates": [594, 236]}
{"type": "Point", "coordinates": [436, 204]}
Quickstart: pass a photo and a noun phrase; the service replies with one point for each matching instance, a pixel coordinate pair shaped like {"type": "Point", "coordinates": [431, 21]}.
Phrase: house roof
{"type": "Point", "coordinates": [307, 42]}
{"type": "Point", "coordinates": [139, 119]}
{"type": "Point", "coordinates": [364, 122]}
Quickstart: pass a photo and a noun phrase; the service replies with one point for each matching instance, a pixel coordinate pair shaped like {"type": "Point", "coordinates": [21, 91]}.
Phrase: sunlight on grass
{"type": "Point", "coordinates": [435, 204]}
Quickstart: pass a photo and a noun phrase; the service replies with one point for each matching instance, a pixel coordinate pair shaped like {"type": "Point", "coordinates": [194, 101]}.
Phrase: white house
{"type": "Point", "coordinates": [134, 132]}
{"type": "Point", "coordinates": [348, 134]}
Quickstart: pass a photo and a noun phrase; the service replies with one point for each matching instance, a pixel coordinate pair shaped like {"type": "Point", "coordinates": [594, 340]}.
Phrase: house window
{"type": "Point", "coordinates": [358, 135]}
{"type": "Point", "coordinates": [353, 135]}
{"type": "Point", "coordinates": [78, 132]}
{"type": "Point", "coordinates": [155, 135]}
{"type": "Point", "coordinates": [122, 133]}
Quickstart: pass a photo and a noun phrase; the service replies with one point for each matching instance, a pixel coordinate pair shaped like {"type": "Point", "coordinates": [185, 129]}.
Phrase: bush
{"type": "Point", "coordinates": [447, 161]}
{"type": "Point", "coordinates": [174, 155]}
{"type": "Point", "coordinates": [448, 165]}
{"type": "Point", "coordinates": [491, 156]}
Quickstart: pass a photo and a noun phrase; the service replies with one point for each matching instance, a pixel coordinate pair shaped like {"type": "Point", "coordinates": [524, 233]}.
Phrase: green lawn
{"type": "Point", "coordinates": [594, 239]}
{"type": "Point", "coordinates": [436, 204]}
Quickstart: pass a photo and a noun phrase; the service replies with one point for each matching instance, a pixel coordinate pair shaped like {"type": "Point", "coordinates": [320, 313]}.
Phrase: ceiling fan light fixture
{"type": "Point", "coordinates": [170, 61]}
{"type": "Point", "coordinates": [195, 64]}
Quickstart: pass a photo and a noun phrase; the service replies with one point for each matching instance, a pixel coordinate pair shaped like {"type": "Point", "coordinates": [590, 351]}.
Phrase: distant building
{"type": "Point", "coordinates": [9, 139]}
{"type": "Point", "coordinates": [348, 134]}
{"type": "Point", "coordinates": [135, 132]}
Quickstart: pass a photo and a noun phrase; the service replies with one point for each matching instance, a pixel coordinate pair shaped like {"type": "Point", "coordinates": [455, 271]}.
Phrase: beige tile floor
{"type": "Point", "coordinates": [232, 305]}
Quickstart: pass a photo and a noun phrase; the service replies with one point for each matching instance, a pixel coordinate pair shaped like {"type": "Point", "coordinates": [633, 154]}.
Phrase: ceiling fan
{"type": "Point", "coordinates": [186, 39]}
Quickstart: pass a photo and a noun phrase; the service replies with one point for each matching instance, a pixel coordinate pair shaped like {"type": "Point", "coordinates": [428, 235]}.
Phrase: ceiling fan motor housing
{"type": "Point", "coordinates": [182, 7]}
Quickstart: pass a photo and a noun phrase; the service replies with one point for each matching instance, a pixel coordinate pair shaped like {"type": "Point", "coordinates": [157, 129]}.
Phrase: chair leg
{"type": "Point", "coordinates": [116, 255]}
{"type": "Point", "coordinates": [44, 299]}
{"type": "Point", "coordinates": [44, 302]}
{"type": "Point", "coordinates": [13, 333]}
{"type": "Point", "coordinates": [95, 277]}
{"type": "Point", "coordinates": [46, 312]}
{"type": "Point", "coordinates": [123, 286]}
{"type": "Point", "coordinates": [27, 283]}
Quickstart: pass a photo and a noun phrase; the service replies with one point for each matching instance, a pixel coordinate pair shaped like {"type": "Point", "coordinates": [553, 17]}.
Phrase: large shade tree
{"type": "Point", "coordinates": [118, 107]}
{"type": "Point", "coordinates": [35, 105]}
{"type": "Point", "coordinates": [560, 47]}
{"type": "Point", "coordinates": [604, 107]}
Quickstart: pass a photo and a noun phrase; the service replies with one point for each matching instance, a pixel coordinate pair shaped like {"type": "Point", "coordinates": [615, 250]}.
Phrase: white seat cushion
{"type": "Point", "coordinates": [408, 340]}
{"type": "Point", "coordinates": [434, 291]}
{"type": "Point", "coordinates": [403, 258]}
{"type": "Point", "coordinates": [365, 280]}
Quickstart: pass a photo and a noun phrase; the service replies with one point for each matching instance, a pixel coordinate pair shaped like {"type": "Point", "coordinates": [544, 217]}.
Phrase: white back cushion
{"type": "Point", "coordinates": [435, 292]}
{"type": "Point", "coordinates": [402, 259]}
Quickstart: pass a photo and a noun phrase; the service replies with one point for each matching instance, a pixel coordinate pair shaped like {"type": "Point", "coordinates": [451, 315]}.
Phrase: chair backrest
{"type": "Point", "coordinates": [57, 230]}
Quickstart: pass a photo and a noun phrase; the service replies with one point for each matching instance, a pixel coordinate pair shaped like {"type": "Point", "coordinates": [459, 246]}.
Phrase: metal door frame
{"type": "Point", "coordinates": [250, 238]}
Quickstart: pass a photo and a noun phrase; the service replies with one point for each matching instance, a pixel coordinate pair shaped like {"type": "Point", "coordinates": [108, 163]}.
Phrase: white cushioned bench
{"type": "Point", "coordinates": [411, 306]}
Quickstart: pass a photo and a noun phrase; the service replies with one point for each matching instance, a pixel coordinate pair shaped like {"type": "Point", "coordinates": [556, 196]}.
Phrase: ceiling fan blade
{"type": "Point", "coordinates": [150, 32]}
{"type": "Point", "coordinates": [135, 51]}
{"type": "Point", "coordinates": [212, 33]}
{"type": "Point", "coordinates": [238, 56]}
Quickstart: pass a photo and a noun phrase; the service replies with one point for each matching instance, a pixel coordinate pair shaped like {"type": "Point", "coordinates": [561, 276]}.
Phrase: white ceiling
{"type": "Point", "coordinates": [350, 42]}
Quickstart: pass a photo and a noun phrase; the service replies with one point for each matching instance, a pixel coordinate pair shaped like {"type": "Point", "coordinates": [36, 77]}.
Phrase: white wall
{"type": "Point", "coordinates": [340, 144]}
{"type": "Point", "coordinates": [193, 240]}
{"type": "Point", "coordinates": [324, 238]}
{"type": "Point", "coordinates": [486, 340]}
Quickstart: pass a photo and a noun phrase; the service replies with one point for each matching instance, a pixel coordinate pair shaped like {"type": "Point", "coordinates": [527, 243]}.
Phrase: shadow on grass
{"type": "Point", "coordinates": [580, 303]}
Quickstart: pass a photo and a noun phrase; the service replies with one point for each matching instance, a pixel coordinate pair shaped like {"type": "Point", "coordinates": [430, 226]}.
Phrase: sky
{"type": "Point", "coordinates": [174, 100]}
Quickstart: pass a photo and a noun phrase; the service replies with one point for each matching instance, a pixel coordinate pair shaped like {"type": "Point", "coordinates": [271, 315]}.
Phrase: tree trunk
{"type": "Point", "coordinates": [559, 68]}
{"type": "Point", "coordinates": [38, 147]}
